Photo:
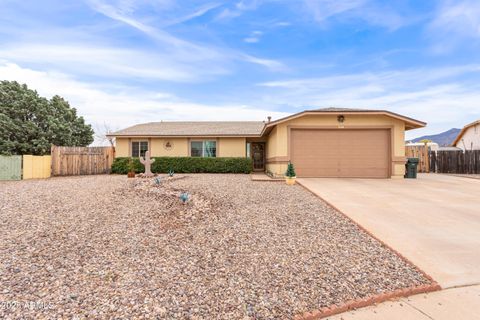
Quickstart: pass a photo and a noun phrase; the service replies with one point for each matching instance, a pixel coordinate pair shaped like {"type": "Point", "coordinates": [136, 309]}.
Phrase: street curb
{"type": "Point", "coordinates": [371, 300]}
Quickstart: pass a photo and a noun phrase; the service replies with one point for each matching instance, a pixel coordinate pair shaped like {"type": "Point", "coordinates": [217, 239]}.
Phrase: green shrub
{"type": "Point", "coordinates": [290, 171]}
{"type": "Point", "coordinates": [187, 165]}
{"type": "Point", "coordinates": [121, 165]}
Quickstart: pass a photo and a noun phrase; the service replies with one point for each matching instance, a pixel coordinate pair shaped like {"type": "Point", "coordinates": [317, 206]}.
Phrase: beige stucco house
{"type": "Point", "coordinates": [332, 142]}
{"type": "Point", "coordinates": [469, 137]}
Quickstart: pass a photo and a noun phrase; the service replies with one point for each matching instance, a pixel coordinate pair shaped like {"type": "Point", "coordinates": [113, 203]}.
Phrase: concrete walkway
{"type": "Point", "coordinates": [434, 221]}
{"type": "Point", "coordinates": [455, 303]}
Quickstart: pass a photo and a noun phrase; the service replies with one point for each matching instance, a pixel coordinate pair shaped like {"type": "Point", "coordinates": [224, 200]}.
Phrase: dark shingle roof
{"type": "Point", "coordinates": [193, 128]}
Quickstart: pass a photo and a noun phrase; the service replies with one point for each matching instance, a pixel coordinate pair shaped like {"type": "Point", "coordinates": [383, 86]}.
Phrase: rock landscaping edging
{"type": "Point", "coordinates": [375, 299]}
{"type": "Point", "coordinates": [361, 303]}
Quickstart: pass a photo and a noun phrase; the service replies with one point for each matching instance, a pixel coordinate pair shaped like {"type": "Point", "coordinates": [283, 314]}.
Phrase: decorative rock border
{"type": "Point", "coordinates": [371, 300]}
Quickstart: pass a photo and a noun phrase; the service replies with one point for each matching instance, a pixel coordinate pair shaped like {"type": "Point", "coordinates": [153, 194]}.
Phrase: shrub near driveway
{"type": "Point", "coordinates": [187, 165]}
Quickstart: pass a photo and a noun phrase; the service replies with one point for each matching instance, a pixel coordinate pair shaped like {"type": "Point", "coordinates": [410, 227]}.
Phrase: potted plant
{"type": "Point", "coordinates": [290, 175]}
{"type": "Point", "coordinates": [131, 168]}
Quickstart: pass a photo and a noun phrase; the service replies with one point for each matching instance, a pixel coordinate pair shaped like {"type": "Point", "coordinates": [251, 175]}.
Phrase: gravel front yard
{"type": "Point", "coordinates": [105, 246]}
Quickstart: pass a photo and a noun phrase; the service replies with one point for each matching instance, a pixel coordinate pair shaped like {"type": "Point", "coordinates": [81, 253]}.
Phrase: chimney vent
{"type": "Point", "coordinates": [269, 119]}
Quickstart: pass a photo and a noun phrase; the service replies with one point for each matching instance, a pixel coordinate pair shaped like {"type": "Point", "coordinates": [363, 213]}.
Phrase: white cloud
{"type": "Point", "coordinates": [120, 107]}
{"type": "Point", "coordinates": [227, 13]}
{"type": "Point", "coordinates": [116, 13]}
{"type": "Point", "coordinates": [238, 9]}
{"type": "Point", "coordinates": [281, 24]}
{"type": "Point", "coordinates": [459, 17]}
{"type": "Point", "coordinates": [181, 48]}
{"type": "Point", "coordinates": [197, 13]}
{"type": "Point", "coordinates": [455, 22]}
{"type": "Point", "coordinates": [92, 53]}
{"type": "Point", "coordinates": [324, 9]}
{"type": "Point", "coordinates": [115, 62]}
{"type": "Point", "coordinates": [251, 40]}
{"type": "Point", "coordinates": [366, 10]}
{"type": "Point", "coordinates": [270, 64]}
{"type": "Point", "coordinates": [254, 37]}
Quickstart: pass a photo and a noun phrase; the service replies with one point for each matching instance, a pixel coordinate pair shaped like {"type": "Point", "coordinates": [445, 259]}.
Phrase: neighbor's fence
{"type": "Point", "coordinates": [37, 167]}
{"type": "Point", "coordinates": [70, 161]}
{"type": "Point", "coordinates": [422, 153]}
{"type": "Point", "coordinates": [448, 161]}
{"type": "Point", "coordinates": [467, 162]}
{"type": "Point", "coordinates": [10, 167]}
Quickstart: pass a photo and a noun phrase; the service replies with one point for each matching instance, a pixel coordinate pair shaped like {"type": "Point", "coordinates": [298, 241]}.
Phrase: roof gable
{"type": "Point", "coordinates": [462, 132]}
{"type": "Point", "coordinates": [409, 122]}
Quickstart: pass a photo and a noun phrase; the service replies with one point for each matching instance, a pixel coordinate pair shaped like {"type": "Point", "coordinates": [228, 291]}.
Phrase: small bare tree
{"type": "Point", "coordinates": [101, 134]}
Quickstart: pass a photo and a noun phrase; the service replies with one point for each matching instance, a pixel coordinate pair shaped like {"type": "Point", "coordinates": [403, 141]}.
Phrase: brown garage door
{"type": "Point", "coordinates": [341, 153]}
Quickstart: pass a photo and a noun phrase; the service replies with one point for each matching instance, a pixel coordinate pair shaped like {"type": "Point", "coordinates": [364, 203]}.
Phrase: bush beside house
{"type": "Point", "coordinates": [186, 165]}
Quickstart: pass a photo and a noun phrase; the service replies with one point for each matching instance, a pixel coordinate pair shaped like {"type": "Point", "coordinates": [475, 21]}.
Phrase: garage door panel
{"type": "Point", "coordinates": [341, 153]}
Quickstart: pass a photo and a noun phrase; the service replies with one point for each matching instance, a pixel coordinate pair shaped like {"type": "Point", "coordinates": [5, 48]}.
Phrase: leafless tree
{"type": "Point", "coordinates": [101, 132]}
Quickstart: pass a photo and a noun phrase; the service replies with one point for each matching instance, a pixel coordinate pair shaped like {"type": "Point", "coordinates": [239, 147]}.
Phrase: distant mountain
{"type": "Point", "coordinates": [443, 139]}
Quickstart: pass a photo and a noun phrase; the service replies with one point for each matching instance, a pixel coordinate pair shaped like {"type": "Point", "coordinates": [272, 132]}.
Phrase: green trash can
{"type": "Point", "coordinates": [411, 168]}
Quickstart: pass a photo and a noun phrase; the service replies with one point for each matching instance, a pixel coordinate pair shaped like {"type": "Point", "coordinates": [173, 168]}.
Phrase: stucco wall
{"type": "Point", "coordinates": [231, 147]}
{"type": "Point", "coordinates": [278, 157]}
{"type": "Point", "coordinates": [179, 147]}
{"type": "Point", "coordinates": [121, 147]}
{"type": "Point", "coordinates": [471, 139]}
{"type": "Point", "coordinates": [272, 144]}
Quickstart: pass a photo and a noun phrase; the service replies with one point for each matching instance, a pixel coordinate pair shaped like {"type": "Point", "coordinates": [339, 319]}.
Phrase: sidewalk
{"type": "Point", "coordinates": [455, 303]}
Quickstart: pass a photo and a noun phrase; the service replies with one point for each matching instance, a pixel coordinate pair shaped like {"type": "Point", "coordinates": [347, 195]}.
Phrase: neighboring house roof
{"type": "Point", "coordinates": [241, 128]}
{"type": "Point", "coordinates": [193, 128]}
{"type": "Point", "coordinates": [462, 132]}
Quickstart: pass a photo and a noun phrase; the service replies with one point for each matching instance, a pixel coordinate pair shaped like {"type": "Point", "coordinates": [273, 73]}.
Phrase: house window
{"type": "Point", "coordinates": [203, 148]}
{"type": "Point", "coordinates": [139, 148]}
{"type": "Point", "coordinates": [248, 150]}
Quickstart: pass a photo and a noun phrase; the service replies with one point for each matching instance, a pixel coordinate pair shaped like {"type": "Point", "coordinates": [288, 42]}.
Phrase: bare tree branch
{"type": "Point", "coordinates": [101, 133]}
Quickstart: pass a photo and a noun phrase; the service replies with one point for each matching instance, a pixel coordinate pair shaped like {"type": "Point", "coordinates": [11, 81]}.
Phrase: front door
{"type": "Point", "coordinates": [258, 156]}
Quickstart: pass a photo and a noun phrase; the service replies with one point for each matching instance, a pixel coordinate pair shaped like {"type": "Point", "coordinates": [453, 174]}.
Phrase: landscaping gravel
{"type": "Point", "coordinates": [110, 247]}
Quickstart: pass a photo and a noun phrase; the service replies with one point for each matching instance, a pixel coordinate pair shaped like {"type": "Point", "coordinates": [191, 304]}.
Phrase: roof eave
{"type": "Point", "coordinates": [183, 135]}
{"type": "Point", "coordinates": [410, 122]}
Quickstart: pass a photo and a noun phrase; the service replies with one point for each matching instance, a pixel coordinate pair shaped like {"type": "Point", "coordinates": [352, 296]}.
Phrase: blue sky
{"type": "Point", "coordinates": [123, 62]}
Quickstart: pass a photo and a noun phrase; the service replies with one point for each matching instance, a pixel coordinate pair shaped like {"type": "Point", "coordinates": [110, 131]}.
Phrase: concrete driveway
{"type": "Point", "coordinates": [434, 221]}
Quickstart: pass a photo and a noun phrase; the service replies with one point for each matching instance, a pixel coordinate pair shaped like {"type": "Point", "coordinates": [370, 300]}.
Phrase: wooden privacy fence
{"type": "Point", "coordinates": [10, 167]}
{"type": "Point", "coordinates": [467, 162]}
{"type": "Point", "coordinates": [70, 161]}
{"type": "Point", "coordinates": [445, 161]}
{"type": "Point", "coordinates": [422, 153]}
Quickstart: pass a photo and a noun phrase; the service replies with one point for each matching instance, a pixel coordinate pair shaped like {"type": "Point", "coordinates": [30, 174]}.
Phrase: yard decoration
{"type": "Point", "coordinates": [170, 173]}
{"type": "Point", "coordinates": [184, 197]}
{"type": "Point", "coordinates": [131, 168]}
{"type": "Point", "coordinates": [290, 175]}
{"type": "Point", "coordinates": [147, 162]}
